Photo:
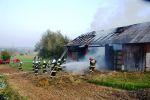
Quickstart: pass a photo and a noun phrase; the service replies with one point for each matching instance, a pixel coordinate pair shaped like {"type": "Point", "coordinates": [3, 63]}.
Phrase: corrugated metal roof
{"type": "Point", "coordinates": [137, 33]}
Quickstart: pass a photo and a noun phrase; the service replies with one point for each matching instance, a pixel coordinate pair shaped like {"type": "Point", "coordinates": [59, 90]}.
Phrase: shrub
{"type": "Point", "coordinates": [51, 44]}
{"type": "Point", "coordinates": [5, 55]}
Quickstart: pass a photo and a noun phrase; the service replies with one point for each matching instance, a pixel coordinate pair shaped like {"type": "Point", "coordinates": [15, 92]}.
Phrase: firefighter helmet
{"type": "Point", "coordinates": [54, 61]}
{"type": "Point", "coordinates": [36, 62]}
{"type": "Point", "coordinates": [59, 59]}
{"type": "Point", "coordinates": [64, 59]}
{"type": "Point", "coordinates": [44, 61]}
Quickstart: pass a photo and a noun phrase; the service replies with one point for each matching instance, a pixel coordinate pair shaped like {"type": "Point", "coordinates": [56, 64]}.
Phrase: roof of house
{"type": "Point", "coordinates": [137, 33]}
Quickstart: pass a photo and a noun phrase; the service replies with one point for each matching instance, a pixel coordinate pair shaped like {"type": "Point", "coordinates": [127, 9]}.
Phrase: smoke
{"type": "Point", "coordinates": [115, 13]}
{"type": "Point", "coordinates": [147, 0]}
{"type": "Point", "coordinates": [76, 67]}
{"type": "Point", "coordinates": [111, 14]}
{"type": "Point", "coordinates": [83, 64]}
{"type": "Point", "coordinates": [98, 53]}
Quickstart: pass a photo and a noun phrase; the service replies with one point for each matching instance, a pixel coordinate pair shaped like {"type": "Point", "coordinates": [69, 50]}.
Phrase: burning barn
{"type": "Point", "coordinates": [123, 48]}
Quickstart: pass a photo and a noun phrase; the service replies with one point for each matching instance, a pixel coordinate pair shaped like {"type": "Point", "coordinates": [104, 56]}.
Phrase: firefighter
{"type": "Point", "coordinates": [53, 68]}
{"type": "Point", "coordinates": [39, 63]}
{"type": "Point", "coordinates": [64, 61]}
{"type": "Point", "coordinates": [36, 67]}
{"type": "Point", "coordinates": [44, 66]}
{"type": "Point", "coordinates": [59, 62]}
{"type": "Point", "coordinates": [20, 66]}
{"type": "Point", "coordinates": [92, 64]}
{"type": "Point", "coordinates": [49, 63]}
{"type": "Point", "coordinates": [33, 63]}
{"type": "Point", "coordinates": [54, 63]}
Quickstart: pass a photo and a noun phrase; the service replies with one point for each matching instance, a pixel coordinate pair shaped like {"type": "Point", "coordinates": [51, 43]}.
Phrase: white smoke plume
{"type": "Point", "coordinates": [115, 13]}
{"type": "Point", "coordinates": [111, 14]}
{"type": "Point", "coordinates": [76, 67]}
{"type": "Point", "coordinates": [81, 66]}
{"type": "Point", "coordinates": [98, 53]}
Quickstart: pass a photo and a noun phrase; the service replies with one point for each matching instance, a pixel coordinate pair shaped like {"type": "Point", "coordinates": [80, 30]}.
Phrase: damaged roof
{"type": "Point", "coordinates": [137, 33]}
{"type": "Point", "coordinates": [84, 39]}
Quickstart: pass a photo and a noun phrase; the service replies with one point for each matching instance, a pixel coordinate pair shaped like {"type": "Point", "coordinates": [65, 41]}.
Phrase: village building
{"type": "Point", "coordinates": [125, 48]}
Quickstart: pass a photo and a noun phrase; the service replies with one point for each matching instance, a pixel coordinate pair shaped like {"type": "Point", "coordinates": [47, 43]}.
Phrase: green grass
{"type": "Point", "coordinates": [24, 57]}
{"type": "Point", "coordinates": [27, 61]}
{"type": "Point", "coordinates": [27, 66]}
{"type": "Point", "coordinates": [128, 81]}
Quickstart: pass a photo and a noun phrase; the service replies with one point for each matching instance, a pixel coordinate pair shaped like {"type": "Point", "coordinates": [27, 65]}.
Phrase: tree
{"type": "Point", "coordinates": [51, 44]}
{"type": "Point", "coordinates": [5, 55]}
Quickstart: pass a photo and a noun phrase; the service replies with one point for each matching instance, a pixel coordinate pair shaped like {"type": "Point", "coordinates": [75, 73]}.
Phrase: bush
{"type": "Point", "coordinates": [51, 44]}
{"type": "Point", "coordinates": [5, 55]}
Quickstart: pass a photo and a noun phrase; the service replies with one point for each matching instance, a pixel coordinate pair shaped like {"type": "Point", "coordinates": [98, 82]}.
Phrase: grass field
{"type": "Point", "coordinates": [128, 81]}
{"type": "Point", "coordinates": [122, 80]}
{"type": "Point", "coordinates": [26, 59]}
{"type": "Point", "coordinates": [7, 93]}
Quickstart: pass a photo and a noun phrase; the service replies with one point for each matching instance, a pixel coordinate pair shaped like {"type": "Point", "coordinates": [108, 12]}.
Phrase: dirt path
{"type": "Point", "coordinates": [23, 83]}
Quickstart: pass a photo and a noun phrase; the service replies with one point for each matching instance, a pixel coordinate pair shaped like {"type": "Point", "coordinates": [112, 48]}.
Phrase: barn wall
{"type": "Point", "coordinates": [72, 56]}
{"type": "Point", "coordinates": [109, 57]}
{"type": "Point", "coordinates": [148, 57]}
{"type": "Point", "coordinates": [118, 57]}
{"type": "Point", "coordinates": [118, 60]}
{"type": "Point", "coordinates": [134, 57]}
{"type": "Point", "coordinates": [83, 54]}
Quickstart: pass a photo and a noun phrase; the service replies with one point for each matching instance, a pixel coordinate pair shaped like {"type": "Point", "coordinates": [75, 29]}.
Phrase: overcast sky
{"type": "Point", "coordinates": [22, 22]}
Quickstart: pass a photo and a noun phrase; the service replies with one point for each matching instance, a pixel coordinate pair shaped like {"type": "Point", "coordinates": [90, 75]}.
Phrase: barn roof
{"type": "Point", "coordinates": [84, 39]}
{"type": "Point", "coordinates": [137, 33]}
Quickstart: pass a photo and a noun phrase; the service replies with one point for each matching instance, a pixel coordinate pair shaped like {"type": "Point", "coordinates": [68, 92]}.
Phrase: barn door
{"type": "Point", "coordinates": [134, 58]}
{"type": "Point", "coordinates": [147, 61]}
{"type": "Point", "coordinates": [118, 59]}
{"type": "Point", "coordinates": [109, 57]}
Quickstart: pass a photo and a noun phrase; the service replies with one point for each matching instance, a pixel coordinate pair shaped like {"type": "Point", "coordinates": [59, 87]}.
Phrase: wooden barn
{"type": "Point", "coordinates": [126, 48]}
{"type": "Point", "coordinates": [78, 48]}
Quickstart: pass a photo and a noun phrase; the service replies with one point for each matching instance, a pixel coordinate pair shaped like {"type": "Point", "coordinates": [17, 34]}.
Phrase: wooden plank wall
{"type": "Point", "coordinates": [134, 57]}
{"type": "Point", "coordinates": [72, 54]}
{"type": "Point", "coordinates": [76, 53]}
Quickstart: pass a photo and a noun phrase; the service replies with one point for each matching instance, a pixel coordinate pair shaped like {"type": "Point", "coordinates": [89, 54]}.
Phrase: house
{"type": "Point", "coordinates": [125, 48]}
